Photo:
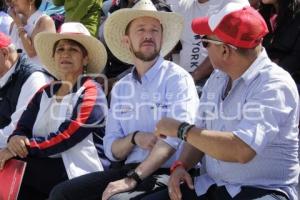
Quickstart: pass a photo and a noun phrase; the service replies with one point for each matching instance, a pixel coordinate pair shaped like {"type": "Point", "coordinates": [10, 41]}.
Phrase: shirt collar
{"type": "Point", "coordinates": [255, 67]}
{"type": "Point", "coordinates": [151, 73]}
{"type": "Point", "coordinates": [6, 76]}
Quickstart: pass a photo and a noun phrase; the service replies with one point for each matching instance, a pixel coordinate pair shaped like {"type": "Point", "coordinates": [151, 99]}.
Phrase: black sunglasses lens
{"type": "Point", "coordinates": [205, 44]}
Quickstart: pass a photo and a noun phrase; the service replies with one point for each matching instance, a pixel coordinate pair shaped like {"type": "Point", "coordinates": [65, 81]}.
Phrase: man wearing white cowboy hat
{"type": "Point", "coordinates": [155, 88]}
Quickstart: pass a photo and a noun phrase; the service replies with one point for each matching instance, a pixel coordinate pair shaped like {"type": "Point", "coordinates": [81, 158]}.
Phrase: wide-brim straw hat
{"type": "Point", "coordinates": [44, 42]}
{"type": "Point", "coordinates": [116, 23]}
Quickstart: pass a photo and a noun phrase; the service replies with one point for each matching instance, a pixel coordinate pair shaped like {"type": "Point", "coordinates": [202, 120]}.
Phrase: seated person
{"type": "Point", "coordinates": [57, 13]}
{"type": "Point", "coordinates": [5, 19]}
{"type": "Point", "coordinates": [247, 125]}
{"type": "Point", "coordinates": [282, 43]}
{"type": "Point", "coordinates": [155, 88]}
{"type": "Point", "coordinates": [85, 11]}
{"type": "Point", "coordinates": [60, 132]}
{"type": "Point", "coordinates": [28, 21]}
{"type": "Point", "coordinates": [19, 81]}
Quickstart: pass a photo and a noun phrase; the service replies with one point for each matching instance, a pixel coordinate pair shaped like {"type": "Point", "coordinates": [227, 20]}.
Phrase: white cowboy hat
{"type": "Point", "coordinates": [116, 23]}
{"type": "Point", "coordinates": [44, 42]}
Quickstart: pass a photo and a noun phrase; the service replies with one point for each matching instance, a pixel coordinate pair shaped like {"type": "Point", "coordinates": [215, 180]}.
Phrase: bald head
{"type": "Point", "coordinates": [8, 57]}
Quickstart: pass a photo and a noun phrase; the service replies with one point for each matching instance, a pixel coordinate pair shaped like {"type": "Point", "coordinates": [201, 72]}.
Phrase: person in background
{"type": "Point", "coordinates": [255, 3]}
{"type": "Point", "coordinates": [7, 5]}
{"type": "Point", "coordinates": [57, 13]}
{"type": "Point", "coordinates": [283, 41]}
{"type": "Point", "coordinates": [19, 81]}
{"type": "Point", "coordinates": [246, 135]}
{"type": "Point", "coordinates": [5, 19]}
{"type": "Point", "coordinates": [60, 133]}
{"type": "Point", "coordinates": [28, 21]}
{"type": "Point", "coordinates": [141, 36]}
{"type": "Point", "coordinates": [193, 56]}
{"type": "Point", "coordinates": [86, 12]}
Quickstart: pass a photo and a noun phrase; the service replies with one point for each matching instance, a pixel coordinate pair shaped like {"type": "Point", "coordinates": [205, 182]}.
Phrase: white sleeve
{"type": "Point", "coordinates": [33, 83]}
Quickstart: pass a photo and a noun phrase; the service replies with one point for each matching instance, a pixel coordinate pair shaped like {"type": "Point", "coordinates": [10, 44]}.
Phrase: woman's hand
{"type": "Point", "coordinates": [5, 155]}
{"type": "Point", "coordinates": [17, 19]}
{"type": "Point", "coordinates": [17, 145]}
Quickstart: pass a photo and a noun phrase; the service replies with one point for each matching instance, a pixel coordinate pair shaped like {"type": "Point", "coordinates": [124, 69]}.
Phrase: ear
{"type": "Point", "coordinates": [126, 41]}
{"type": "Point", "coordinates": [225, 51]}
{"type": "Point", "coordinates": [5, 52]}
{"type": "Point", "coordinates": [85, 61]}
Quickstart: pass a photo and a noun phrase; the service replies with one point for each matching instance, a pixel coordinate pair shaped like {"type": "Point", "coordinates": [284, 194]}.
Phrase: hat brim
{"type": "Point", "coordinates": [200, 26]}
{"type": "Point", "coordinates": [115, 25]}
{"type": "Point", "coordinates": [44, 42]}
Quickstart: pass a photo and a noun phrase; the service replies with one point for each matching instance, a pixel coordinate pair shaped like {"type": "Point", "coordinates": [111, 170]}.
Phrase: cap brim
{"type": "Point", "coordinates": [200, 26]}
{"type": "Point", "coordinates": [115, 25]}
{"type": "Point", "coordinates": [44, 42]}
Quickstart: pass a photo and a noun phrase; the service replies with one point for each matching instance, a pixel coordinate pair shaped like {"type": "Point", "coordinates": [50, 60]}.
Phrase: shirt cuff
{"type": "Point", "coordinates": [173, 142]}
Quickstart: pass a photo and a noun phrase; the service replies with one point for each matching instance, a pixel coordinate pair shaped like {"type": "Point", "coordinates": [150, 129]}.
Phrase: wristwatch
{"type": "Point", "coordinates": [134, 175]}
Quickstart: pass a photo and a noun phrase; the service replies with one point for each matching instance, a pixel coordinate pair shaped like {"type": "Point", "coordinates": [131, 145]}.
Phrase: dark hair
{"type": "Point", "coordinates": [83, 49]}
{"type": "Point", "coordinates": [2, 6]}
{"type": "Point", "coordinates": [37, 3]}
{"type": "Point", "coordinates": [160, 5]}
{"type": "Point", "coordinates": [287, 10]}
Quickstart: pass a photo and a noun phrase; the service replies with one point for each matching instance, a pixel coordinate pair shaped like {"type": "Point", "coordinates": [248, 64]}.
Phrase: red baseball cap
{"type": "Point", "coordinates": [236, 24]}
{"type": "Point", "coordinates": [5, 41]}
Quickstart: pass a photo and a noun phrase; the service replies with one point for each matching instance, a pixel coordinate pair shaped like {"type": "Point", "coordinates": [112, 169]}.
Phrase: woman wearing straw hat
{"type": "Point", "coordinates": [58, 132]}
{"type": "Point", "coordinates": [140, 35]}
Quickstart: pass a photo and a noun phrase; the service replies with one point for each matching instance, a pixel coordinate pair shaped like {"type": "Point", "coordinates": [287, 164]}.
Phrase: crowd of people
{"type": "Point", "coordinates": [151, 99]}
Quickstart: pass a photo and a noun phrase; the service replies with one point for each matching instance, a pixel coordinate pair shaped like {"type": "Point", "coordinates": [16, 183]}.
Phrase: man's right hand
{"type": "Point", "coordinates": [145, 140]}
{"type": "Point", "coordinates": [178, 176]}
{"type": "Point", "coordinates": [17, 145]}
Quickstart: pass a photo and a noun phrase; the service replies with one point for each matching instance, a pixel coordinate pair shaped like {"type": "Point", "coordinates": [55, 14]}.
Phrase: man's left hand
{"type": "Point", "coordinates": [119, 186]}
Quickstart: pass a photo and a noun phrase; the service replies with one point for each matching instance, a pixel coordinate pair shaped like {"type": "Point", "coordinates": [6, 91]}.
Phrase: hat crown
{"type": "Point", "coordinates": [73, 28]}
{"type": "Point", "coordinates": [216, 18]}
{"type": "Point", "coordinates": [144, 5]}
{"type": "Point", "coordinates": [236, 23]}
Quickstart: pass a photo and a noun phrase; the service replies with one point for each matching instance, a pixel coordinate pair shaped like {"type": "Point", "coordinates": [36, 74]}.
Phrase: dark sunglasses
{"type": "Point", "coordinates": [205, 42]}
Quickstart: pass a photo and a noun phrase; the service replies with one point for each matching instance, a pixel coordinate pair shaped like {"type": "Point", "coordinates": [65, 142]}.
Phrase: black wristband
{"type": "Point", "coordinates": [133, 136]}
{"type": "Point", "coordinates": [185, 132]}
{"type": "Point", "coordinates": [134, 175]}
{"type": "Point", "coordinates": [180, 129]}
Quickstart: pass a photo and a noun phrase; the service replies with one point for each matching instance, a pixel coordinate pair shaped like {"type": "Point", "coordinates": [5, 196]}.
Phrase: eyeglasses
{"type": "Point", "coordinates": [205, 41]}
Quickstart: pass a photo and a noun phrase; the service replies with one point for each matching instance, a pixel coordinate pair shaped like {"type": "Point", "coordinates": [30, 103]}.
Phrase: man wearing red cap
{"type": "Point", "coordinates": [246, 135]}
{"type": "Point", "coordinates": [19, 81]}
